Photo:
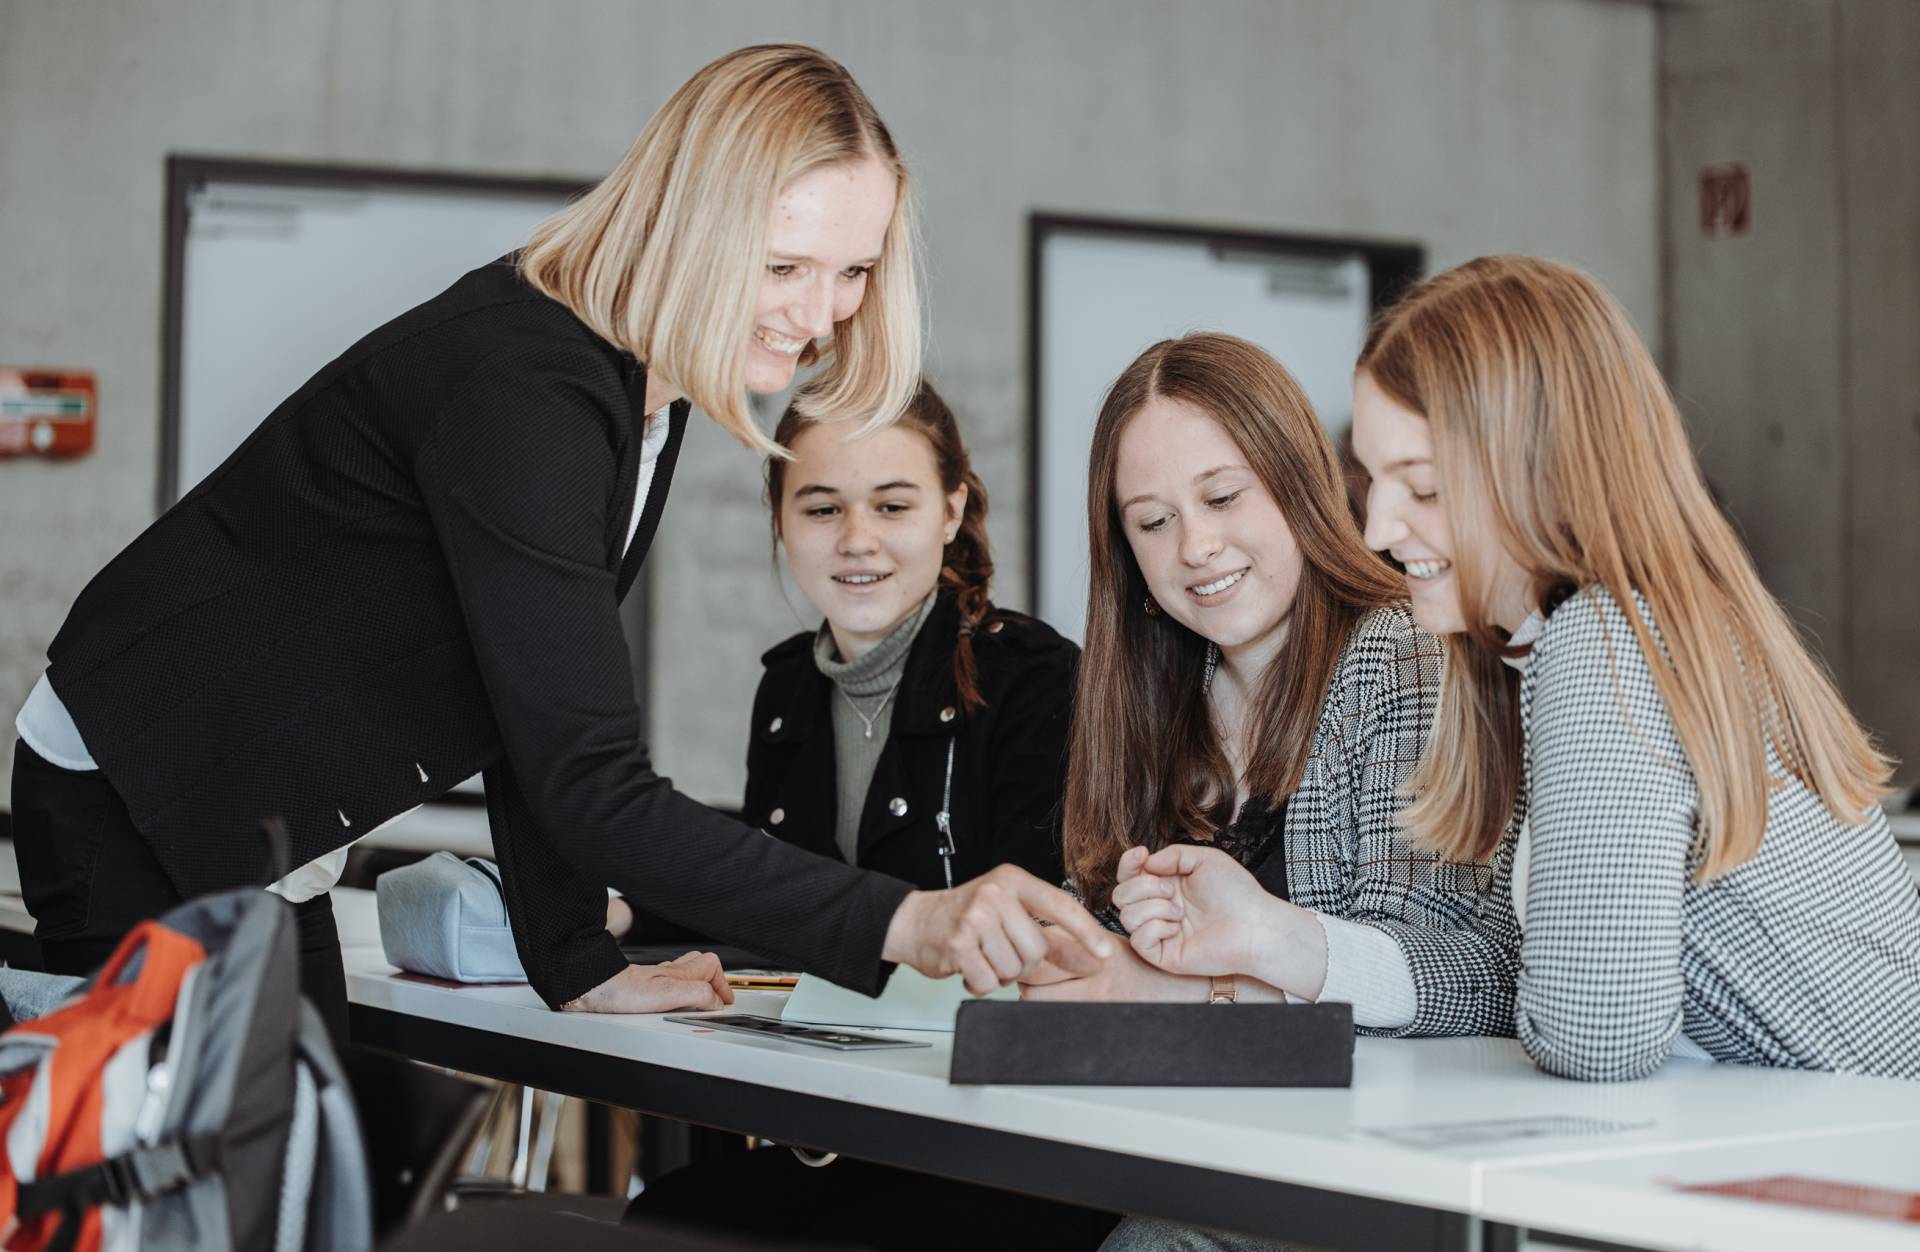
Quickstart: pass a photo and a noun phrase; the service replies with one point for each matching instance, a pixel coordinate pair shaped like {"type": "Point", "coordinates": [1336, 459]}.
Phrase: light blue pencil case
{"type": "Point", "coordinates": [447, 918]}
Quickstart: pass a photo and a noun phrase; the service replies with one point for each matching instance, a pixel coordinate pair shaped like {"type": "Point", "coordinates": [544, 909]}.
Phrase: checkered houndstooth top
{"type": "Point", "coordinates": [1346, 856]}
{"type": "Point", "coordinates": [1806, 956]}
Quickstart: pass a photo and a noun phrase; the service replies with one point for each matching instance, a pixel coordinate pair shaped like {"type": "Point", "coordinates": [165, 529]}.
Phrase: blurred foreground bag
{"type": "Point", "coordinates": [183, 1097]}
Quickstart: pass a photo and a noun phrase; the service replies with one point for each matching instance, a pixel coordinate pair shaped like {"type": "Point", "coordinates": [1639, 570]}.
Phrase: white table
{"type": "Point", "coordinates": [1394, 1161]}
{"type": "Point", "coordinates": [1628, 1197]}
{"type": "Point", "coordinates": [453, 827]}
{"type": "Point", "coordinates": [1446, 1143]}
{"type": "Point", "coordinates": [1184, 1154]}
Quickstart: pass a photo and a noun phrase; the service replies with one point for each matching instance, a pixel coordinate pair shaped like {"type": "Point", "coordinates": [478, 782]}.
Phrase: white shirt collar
{"type": "Point", "coordinates": [1529, 631]}
{"type": "Point", "coordinates": [654, 437]}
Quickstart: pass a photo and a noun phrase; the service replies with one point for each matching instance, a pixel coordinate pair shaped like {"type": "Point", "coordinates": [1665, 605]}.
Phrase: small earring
{"type": "Point", "coordinates": [1153, 607]}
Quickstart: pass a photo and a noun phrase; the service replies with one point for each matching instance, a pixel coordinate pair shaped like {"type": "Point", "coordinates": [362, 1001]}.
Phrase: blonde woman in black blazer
{"type": "Point", "coordinates": [410, 573]}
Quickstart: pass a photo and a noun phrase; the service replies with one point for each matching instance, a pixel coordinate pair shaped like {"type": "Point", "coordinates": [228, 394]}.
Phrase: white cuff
{"type": "Point", "coordinates": [1367, 969]}
{"type": "Point", "coordinates": [48, 729]}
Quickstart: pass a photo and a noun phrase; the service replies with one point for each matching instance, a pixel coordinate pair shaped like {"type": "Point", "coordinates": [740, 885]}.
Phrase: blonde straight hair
{"type": "Point", "coordinates": [664, 258]}
{"type": "Point", "coordinates": [1555, 436]}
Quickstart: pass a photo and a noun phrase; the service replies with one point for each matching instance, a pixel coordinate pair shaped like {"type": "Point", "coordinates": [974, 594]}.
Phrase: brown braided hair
{"type": "Point", "coordinates": [966, 567]}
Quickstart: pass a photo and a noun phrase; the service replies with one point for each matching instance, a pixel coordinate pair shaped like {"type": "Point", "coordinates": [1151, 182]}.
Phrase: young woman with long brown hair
{"type": "Point", "coordinates": [1702, 867]}
{"type": "Point", "coordinates": [1254, 691]}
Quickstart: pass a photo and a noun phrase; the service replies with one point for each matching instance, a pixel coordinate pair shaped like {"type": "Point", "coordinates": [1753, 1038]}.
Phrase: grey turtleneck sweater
{"type": "Point", "coordinates": [869, 682]}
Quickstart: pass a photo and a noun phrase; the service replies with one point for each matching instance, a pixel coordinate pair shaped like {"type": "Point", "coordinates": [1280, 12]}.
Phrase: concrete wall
{"type": "Point", "coordinates": [1467, 125]}
{"type": "Point", "coordinates": [1795, 350]}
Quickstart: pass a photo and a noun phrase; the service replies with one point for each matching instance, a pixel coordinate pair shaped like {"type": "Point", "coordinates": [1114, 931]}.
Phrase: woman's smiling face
{"type": "Point", "coordinates": [1211, 543]}
{"type": "Point", "coordinates": [865, 526]}
{"type": "Point", "coordinates": [824, 235]}
{"type": "Point", "coordinates": [1407, 519]}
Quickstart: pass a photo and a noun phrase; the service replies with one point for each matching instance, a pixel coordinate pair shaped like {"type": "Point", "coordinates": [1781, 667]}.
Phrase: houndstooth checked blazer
{"type": "Point", "coordinates": [1806, 956]}
{"type": "Point", "coordinates": [1346, 856]}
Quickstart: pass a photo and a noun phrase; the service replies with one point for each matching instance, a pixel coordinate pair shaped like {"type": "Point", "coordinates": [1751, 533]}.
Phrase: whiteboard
{"type": "Point", "coordinates": [278, 280]}
{"type": "Point", "coordinates": [1103, 294]}
{"type": "Point", "coordinates": [273, 270]}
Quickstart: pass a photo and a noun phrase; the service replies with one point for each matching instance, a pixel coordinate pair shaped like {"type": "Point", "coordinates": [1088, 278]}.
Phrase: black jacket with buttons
{"type": "Point", "coordinates": [409, 573]}
{"type": "Point", "coordinates": [1009, 760]}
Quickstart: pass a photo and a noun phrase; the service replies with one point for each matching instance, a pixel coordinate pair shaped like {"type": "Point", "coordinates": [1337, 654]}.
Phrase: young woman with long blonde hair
{"type": "Point", "coordinates": [411, 572]}
{"type": "Point", "coordinates": [1253, 696]}
{"type": "Point", "coordinates": [1702, 867]}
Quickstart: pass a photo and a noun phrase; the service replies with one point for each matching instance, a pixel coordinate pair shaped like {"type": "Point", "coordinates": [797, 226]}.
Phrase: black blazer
{"type": "Point", "coordinates": [1009, 768]}
{"type": "Point", "coordinates": [408, 574]}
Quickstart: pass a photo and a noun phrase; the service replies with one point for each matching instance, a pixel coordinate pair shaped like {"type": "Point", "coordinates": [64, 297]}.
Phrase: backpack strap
{"type": "Point", "coordinates": [144, 1172]}
{"type": "Point", "coordinates": [340, 1216]}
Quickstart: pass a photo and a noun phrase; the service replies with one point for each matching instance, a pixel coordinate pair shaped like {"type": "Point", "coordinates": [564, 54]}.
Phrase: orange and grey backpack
{"type": "Point", "coordinates": [185, 1096]}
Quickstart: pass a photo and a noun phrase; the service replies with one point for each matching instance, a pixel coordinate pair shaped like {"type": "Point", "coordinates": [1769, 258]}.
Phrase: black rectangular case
{"type": "Point", "coordinates": [1153, 1045]}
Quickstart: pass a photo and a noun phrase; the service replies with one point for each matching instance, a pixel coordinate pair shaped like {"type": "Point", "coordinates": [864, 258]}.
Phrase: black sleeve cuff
{"type": "Point", "coordinates": [563, 978]}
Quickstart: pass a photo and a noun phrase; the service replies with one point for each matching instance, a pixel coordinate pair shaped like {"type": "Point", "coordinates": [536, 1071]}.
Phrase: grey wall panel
{"type": "Point", "coordinates": [1796, 350]}
{"type": "Point", "coordinates": [1755, 349]}
{"type": "Point", "coordinates": [1879, 85]}
{"type": "Point", "coordinates": [1468, 125]}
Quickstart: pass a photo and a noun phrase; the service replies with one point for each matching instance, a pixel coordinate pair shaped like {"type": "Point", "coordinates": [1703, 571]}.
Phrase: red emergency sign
{"type": "Point", "coordinates": [46, 411]}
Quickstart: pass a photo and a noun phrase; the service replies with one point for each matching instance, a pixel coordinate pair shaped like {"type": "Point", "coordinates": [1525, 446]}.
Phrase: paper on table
{"type": "Point", "coordinates": [1499, 1130]}
{"type": "Point", "coordinates": [1817, 1193]}
{"type": "Point", "coordinates": [911, 1001]}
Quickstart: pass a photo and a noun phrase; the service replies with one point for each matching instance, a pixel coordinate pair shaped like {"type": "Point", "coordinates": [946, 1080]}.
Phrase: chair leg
{"type": "Point", "coordinates": [552, 1104]}
{"type": "Point", "coordinates": [483, 1154]}
{"type": "Point", "coordinates": [523, 1145]}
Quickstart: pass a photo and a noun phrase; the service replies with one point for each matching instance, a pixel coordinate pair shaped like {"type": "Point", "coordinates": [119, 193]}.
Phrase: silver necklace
{"type": "Point", "coordinates": [866, 719]}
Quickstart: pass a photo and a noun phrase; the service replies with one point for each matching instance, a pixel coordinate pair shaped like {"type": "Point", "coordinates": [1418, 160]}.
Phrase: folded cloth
{"type": "Point", "coordinates": [447, 917]}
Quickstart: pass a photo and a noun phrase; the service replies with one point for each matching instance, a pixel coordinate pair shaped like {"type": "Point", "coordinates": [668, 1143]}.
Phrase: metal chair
{"type": "Point", "coordinates": [419, 1123]}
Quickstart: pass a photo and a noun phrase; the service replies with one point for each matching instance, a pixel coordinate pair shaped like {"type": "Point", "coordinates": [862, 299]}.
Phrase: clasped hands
{"type": "Point", "coordinates": [1191, 913]}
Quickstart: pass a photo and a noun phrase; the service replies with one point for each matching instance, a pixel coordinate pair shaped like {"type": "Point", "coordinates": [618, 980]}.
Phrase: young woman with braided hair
{"type": "Point", "coordinates": [916, 696]}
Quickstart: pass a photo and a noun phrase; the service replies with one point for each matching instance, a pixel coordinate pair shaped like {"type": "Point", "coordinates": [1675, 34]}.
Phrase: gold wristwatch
{"type": "Point", "coordinates": [1225, 990]}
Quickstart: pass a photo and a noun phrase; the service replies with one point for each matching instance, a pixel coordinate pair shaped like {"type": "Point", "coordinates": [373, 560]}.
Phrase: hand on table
{"type": "Point", "coordinates": [692, 982]}
{"type": "Point", "coordinates": [1191, 910]}
{"type": "Point", "coordinates": [989, 931]}
{"type": "Point", "coordinates": [1122, 976]}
